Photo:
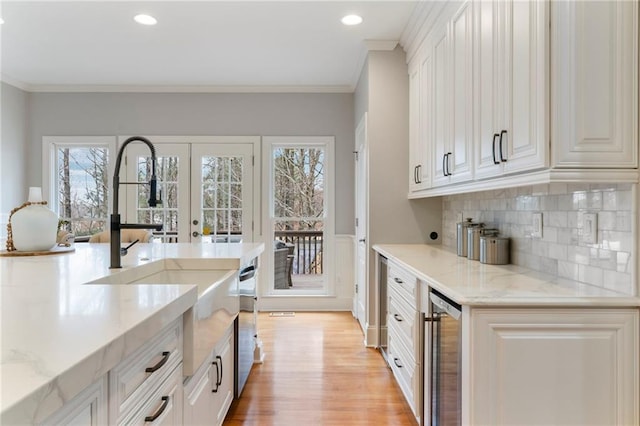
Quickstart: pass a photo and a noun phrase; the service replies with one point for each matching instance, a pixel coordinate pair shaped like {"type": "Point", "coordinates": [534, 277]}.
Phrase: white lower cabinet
{"type": "Point", "coordinates": [134, 382]}
{"type": "Point", "coordinates": [208, 394]}
{"type": "Point", "coordinates": [551, 367]}
{"type": "Point", "coordinates": [404, 334]}
{"type": "Point", "coordinates": [87, 408]}
{"type": "Point", "coordinates": [163, 406]}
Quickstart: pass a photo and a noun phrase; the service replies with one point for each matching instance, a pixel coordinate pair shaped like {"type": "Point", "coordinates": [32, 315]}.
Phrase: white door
{"type": "Point", "coordinates": [206, 191]}
{"type": "Point", "coordinates": [362, 191]}
{"type": "Point", "coordinates": [221, 192]}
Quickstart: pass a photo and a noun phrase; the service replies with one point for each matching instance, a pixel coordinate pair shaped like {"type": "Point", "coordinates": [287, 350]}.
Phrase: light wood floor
{"type": "Point", "coordinates": [317, 372]}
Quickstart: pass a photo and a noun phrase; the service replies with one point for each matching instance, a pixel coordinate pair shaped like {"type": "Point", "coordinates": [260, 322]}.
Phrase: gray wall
{"type": "Point", "coordinates": [13, 149]}
{"type": "Point", "coordinates": [383, 92]}
{"type": "Point", "coordinates": [214, 114]}
{"type": "Point", "coordinates": [392, 217]}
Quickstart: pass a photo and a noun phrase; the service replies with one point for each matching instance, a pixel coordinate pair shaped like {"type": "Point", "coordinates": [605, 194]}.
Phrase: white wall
{"type": "Point", "coordinates": [13, 151]}
{"type": "Point", "coordinates": [221, 114]}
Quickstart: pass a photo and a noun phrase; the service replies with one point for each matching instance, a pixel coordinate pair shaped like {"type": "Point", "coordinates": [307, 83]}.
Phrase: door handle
{"type": "Point", "coordinates": [397, 317]}
{"type": "Point", "coordinates": [493, 148]}
{"type": "Point", "coordinates": [362, 240]}
{"type": "Point", "coordinates": [444, 166]}
{"type": "Point", "coordinates": [502, 133]}
{"type": "Point", "coordinates": [153, 417]}
{"type": "Point", "coordinates": [218, 378]}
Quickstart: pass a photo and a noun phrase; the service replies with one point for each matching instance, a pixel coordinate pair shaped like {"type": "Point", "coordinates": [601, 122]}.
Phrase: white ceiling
{"type": "Point", "coordinates": [196, 45]}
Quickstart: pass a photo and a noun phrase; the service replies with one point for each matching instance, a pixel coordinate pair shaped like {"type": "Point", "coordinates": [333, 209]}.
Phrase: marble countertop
{"type": "Point", "coordinates": [59, 335]}
{"type": "Point", "coordinates": [472, 283]}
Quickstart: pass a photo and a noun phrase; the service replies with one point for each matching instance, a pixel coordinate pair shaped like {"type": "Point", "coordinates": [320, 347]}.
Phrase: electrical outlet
{"type": "Point", "coordinates": [590, 228]}
{"type": "Point", "coordinates": [536, 232]}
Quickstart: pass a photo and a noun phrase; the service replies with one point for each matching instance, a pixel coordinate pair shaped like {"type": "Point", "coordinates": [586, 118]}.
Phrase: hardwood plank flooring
{"type": "Point", "coordinates": [318, 372]}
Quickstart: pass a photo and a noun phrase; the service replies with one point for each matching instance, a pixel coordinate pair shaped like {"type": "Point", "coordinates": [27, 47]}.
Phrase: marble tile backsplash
{"type": "Point", "coordinates": [562, 250]}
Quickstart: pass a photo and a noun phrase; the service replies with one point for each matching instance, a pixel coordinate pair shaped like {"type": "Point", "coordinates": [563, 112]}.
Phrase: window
{"type": "Point", "coordinates": [76, 178]}
{"type": "Point", "coordinates": [301, 213]}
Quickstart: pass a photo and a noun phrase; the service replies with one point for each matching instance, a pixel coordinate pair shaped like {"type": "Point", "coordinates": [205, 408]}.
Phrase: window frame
{"type": "Point", "coordinates": [50, 146]}
{"type": "Point", "coordinates": [327, 143]}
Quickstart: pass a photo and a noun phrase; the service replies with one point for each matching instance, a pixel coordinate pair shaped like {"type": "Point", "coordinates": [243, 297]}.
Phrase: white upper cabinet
{"type": "Point", "coordinates": [523, 92]}
{"type": "Point", "coordinates": [595, 90]}
{"type": "Point", "coordinates": [420, 175]}
{"type": "Point", "coordinates": [452, 98]}
{"type": "Point", "coordinates": [511, 75]}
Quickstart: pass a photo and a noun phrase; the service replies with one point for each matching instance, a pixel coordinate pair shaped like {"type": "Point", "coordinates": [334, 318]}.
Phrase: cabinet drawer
{"type": "Point", "coordinates": [406, 372]}
{"type": "Point", "coordinates": [141, 372]}
{"type": "Point", "coordinates": [405, 322]}
{"type": "Point", "coordinates": [404, 282]}
{"type": "Point", "coordinates": [164, 406]}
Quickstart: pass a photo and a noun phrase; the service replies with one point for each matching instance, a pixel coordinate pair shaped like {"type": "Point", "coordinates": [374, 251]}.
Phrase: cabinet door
{"type": "Point", "coordinates": [453, 97]}
{"type": "Point", "coordinates": [87, 408]}
{"type": "Point", "coordinates": [415, 117]}
{"type": "Point", "coordinates": [198, 396]}
{"type": "Point", "coordinates": [553, 366]}
{"type": "Point", "coordinates": [224, 379]}
{"type": "Point", "coordinates": [440, 104]}
{"type": "Point", "coordinates": [488, 102]}
{"type": "Point", "coordinates": [461, 96]}
{"type": "Point", "coordinates": [595, 98]}
{"type": "Point", "coordinates": [524, 134]}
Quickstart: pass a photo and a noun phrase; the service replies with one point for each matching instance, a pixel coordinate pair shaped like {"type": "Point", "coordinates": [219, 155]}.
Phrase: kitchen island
{"type": "Point", "coordinates": [59, 333]}
{"type": "Point", "coordinates": [477, 344]}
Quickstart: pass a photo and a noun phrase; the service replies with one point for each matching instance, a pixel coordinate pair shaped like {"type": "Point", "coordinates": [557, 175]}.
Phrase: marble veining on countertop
{"type": "Point", "coordinates": [59, 334]}
{"type": "Point", "coordinates": [470, 282]}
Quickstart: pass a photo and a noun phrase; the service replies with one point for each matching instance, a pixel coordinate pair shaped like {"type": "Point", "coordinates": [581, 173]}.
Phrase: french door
{"type": "Point", "coordinates": [206, 190]}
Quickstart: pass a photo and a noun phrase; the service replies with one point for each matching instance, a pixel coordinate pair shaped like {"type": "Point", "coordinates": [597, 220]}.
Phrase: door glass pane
{"type": "Point", "coordinates": [83, 188]}
{"type": "Point", "coordinates": [222, 198]}
{"type": "Point", "coordinates": [299, 212]}
{"type": "Point", "coordinates": [166, 213]}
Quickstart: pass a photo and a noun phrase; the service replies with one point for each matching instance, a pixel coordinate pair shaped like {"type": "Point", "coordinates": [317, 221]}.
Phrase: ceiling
{"type": "Point", "coordinates": [196, 45]}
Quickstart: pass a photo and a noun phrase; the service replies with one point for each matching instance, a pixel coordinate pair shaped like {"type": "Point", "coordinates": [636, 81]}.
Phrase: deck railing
{"type": "Point", "coordinates": [308, 250]}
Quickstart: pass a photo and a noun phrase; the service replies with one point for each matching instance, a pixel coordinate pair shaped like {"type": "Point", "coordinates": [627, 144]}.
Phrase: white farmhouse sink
{"type": "Point", "coordinates": [204, 324]}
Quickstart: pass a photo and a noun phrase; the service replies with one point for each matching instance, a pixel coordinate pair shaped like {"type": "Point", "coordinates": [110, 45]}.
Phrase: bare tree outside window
{"type": "Point", "coordinates": [299, 206]}
{"type": "Point", "coordinates": [83, 189]}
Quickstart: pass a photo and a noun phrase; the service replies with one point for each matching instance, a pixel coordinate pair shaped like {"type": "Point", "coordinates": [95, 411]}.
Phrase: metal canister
{"type": "Point", "coordinates": [494, 250]}
{"type": "Point", "coordinates": [473, 241]}
{"type": "Point", "coordinates": [461, 235]}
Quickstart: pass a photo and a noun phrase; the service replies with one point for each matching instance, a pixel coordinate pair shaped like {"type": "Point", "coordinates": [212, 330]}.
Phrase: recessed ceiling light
{"type": "Point", "coordinates": [352, 20]}
{"type": "Point", "coordinates": [1, 21]}
{"type": "Point", "coordinates": [145, 19]}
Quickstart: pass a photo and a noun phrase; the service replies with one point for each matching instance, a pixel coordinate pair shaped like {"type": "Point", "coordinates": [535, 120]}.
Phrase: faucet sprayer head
{"type": "Point", "coordinates": [153, 183]}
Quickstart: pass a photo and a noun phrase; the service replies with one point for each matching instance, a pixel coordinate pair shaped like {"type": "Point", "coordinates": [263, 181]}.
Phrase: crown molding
{"type": "Point", "coordinates": [385, 45]}
{"type": "Point", "coordinates": [15, 83]}
{"type": "Point", "coordinates": [73, 88]}
{"type": "Point", "coordinates": [421, 21]}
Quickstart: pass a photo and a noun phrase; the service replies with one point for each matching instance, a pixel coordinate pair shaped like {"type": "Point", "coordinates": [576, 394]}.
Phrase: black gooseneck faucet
{"type": "Point", "coordinates": [116, 225]}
